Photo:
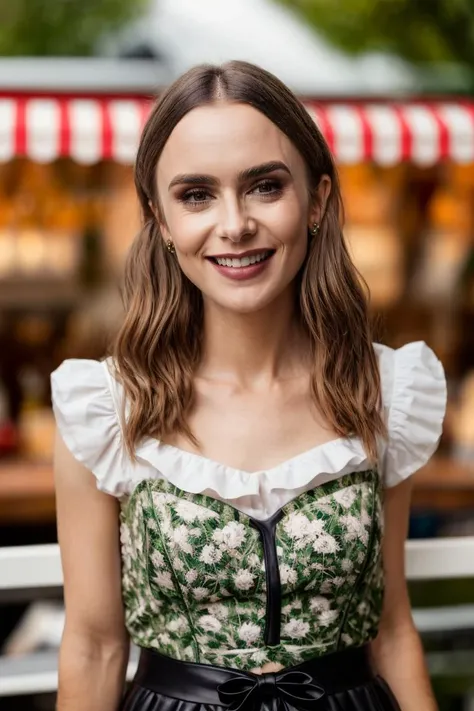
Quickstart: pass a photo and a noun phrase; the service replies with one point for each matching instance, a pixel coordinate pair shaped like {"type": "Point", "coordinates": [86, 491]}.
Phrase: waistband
{"type": "Point", "coordinates": [300, 685]}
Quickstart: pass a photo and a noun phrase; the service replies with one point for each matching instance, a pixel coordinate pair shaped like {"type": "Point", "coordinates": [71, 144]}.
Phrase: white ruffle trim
{"type": "Point", "coordinates": [416, 411]}
{"type": "Point", "coordinates": [87, 399]}
{"type": "Point", "coordinates": [197, 474]}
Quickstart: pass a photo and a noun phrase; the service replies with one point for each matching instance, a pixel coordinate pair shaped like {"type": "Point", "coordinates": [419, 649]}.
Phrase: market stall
{"type": "Point", "coordinates": [68, 214]}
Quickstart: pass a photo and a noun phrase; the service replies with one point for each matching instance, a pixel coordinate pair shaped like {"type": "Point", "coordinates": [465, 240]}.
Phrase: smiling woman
{"type": "Point", "coordinates": [251, 431]}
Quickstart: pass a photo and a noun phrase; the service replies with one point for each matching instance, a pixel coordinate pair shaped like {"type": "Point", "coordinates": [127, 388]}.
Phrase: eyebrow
{"type": "Point", "coordinates": [257, 171]}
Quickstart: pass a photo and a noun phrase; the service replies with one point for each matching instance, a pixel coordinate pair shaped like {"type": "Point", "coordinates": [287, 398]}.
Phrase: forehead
{"type": "Point", "coordinates": [225, 137]}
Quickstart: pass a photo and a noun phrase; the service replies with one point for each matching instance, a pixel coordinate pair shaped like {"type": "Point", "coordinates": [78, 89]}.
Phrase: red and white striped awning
{"type": "Point", "coordinates": [92, 129]}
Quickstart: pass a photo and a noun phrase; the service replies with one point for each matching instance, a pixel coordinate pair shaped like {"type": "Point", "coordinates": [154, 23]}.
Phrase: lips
{"type": "Point", "coordinates": [242, 260]}
{"type": "Point", "coordinates": [245, 266]}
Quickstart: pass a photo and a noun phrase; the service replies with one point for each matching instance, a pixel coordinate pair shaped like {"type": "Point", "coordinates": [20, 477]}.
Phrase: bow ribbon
{"type": "Point", "coordinates": [294, 688]}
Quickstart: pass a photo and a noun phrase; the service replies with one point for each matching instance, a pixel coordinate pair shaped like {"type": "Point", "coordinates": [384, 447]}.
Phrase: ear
{"type": "Point", "coordinates": [320, 198]}
{"type": "Point", "coordinates": [161, 223]}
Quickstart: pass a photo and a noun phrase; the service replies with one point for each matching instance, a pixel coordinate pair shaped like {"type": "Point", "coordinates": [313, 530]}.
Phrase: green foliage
{"type": "Point", "coordinates": [418, 30]}
{"type": "Point", "coordinates": [60, 27]}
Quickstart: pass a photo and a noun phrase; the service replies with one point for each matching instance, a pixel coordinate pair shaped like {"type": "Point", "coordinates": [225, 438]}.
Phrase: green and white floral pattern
{"type": "Point", "coordinates": [194, 574]}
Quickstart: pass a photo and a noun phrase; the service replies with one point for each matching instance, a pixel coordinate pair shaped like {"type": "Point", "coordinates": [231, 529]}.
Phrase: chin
{"type": "Point", "coordinates": [246, 305]}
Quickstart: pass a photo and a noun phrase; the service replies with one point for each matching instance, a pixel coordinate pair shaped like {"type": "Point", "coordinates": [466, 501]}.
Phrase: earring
{"type": "Point", "coordinates": [170, 247]}
{"type": "Point", "coordinates": [315, 229]}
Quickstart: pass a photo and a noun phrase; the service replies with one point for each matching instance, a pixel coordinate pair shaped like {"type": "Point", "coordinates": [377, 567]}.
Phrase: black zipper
{"type": "Point", "coordinates": [267, 529]}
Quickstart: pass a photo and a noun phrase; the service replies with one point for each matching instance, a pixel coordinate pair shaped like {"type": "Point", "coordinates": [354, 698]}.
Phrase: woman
{"type": "Point", "coordinates": [246, 431]}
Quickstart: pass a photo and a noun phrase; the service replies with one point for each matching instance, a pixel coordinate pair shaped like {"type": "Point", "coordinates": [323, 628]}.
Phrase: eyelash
{"type": "Point", "coordinates": [187, 197]}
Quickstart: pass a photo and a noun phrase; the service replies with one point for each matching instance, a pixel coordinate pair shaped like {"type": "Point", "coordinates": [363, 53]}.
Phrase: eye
{"type": "Point", "coordinates": [197, 196]}
{"type": "Point", "coordinates": [270, 188]}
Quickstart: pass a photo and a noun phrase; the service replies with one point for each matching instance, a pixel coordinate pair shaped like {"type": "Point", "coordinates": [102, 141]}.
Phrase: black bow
{"type": "Point", "coordinates": [294, 687]}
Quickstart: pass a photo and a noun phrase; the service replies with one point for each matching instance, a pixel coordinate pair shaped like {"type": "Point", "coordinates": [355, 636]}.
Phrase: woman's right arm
{"type": "Point", "coordinates": [95, 646]}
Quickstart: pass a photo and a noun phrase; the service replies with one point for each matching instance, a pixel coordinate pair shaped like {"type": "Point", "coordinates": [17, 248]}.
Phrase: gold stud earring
{"type": "Point", "coordinates": [315, 229]}
{"type": "Point", "coordinates": [170, 247]}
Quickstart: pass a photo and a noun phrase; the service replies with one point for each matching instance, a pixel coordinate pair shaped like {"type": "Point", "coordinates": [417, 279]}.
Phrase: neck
{"type": "Point", "coordinates": [253, 348]}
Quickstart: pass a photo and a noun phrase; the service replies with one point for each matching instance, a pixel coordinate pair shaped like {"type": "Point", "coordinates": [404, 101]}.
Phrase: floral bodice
{"type": "Point", "coordinates": [203, 582]}
{"type": "Point", "coordinates": [233, 568]}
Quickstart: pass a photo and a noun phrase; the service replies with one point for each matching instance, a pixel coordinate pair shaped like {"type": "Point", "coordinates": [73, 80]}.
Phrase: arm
{"type": "Point", "coordinates": [397, 651]}
{"type": "Point", "coordinates": [94, 648]}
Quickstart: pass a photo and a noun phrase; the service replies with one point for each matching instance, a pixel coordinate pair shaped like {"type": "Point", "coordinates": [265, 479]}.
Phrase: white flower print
{"type": "Point", "coordinates": [259, 657]}
{"type": "Point", "coordinates": [189, 512]}
{"type": "Point", "coordinates": [191, 576]}
{"type": "Point", "coordinates": [164, 638]}
{"type": "Point", "coordinates": [297, 629]}
{"type": "Point", "coordinates": [231, 536]}
{"type": "Point", "coordinates": [209, 623]}
{"type": "Point", "coordinates": [279, 551]}
{"type": "Point", "coordinates": [288, 575]}
{"type": "Point", "coordinates": [345, 497]}
{"type": "Point", "coordinates": [200, 593]}
{"type": "Point", "coordinates": [296, 525]}
{"type": "Point", "coordinates": [287, 609]}
{"type": "Point", "coordinates": [338, 581]}
{"type": "Point", "coordinates": [157, 559]}
{"type": "Point", "coordinates": [327, 617]}
{"type": "Point", "coordinates": [218, 610]}
{"type": "Point", "coordinates": [307, 572]}
{"type": "Point", "coordinates": [326, 508]}
{"type": "Point", "coordinates": [325, 544]}
{"type": "Point", "coordinates": [210, 555]}
{"type": "Point", "coordinates": [347, 565]}
{"type": "Point", "coordinates": [319, 604]}
{"type": "Point", "coordinates": [195, 532]}
{"type": "Point", "coordinates": [125, 536]}
{"type": "Point", "coordinates": [353, 525]}
{"type": "Point", "coordinates": [244, 579]}
{"type": "Point", "coordinates": [299, 527]}
{"type": "Point", "coordinates": [347, 639]}
{"type": "Point", "coordinates": [254, 560]}
{"type": "Point", "coordinates": [164, 580]}
{"type": "Point", "coordinates": [180, 536]}
{"type": "Point", "coordinates": [249, 632]}
{"type": "Point", "coordinates": [178, 564]}
{"type": "Point", "coordinates": [179, 624]}
{"type": "Point", "coordinates": [297, 605]}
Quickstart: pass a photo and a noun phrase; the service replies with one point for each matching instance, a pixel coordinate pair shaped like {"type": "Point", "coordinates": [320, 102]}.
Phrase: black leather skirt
{"type": "Point", "coordinates": [343, 681]}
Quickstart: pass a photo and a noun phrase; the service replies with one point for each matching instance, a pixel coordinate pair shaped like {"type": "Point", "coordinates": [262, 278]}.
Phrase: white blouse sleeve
{"type": "Point", "coordinates": [86, 416]}
{"type": "Point", "coordinates": [414, 396]}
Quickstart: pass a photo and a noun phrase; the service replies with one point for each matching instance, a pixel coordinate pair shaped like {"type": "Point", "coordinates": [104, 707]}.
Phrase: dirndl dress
{"type": "Point", "coordinates": [225, 571]}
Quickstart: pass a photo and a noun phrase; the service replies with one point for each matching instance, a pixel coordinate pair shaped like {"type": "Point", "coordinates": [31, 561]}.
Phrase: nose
{"type": "Point", "coordinates": [235, 222]}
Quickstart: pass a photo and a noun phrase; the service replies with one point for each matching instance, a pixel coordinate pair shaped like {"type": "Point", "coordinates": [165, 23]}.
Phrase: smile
{"type": "Point", "coordinates": [246, 266]}
{"type": "Point", "coordinates": [239, 262]}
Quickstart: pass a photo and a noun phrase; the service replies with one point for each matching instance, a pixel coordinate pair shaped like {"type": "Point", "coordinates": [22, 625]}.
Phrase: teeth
{"type": "Point", "coordinates": [244, 262]}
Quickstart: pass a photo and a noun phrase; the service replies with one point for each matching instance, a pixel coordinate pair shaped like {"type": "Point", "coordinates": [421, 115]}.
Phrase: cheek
{"type": "Point", "coordinates": [289, 225]}
{"type": "Point", "coordinates": [187, 231]}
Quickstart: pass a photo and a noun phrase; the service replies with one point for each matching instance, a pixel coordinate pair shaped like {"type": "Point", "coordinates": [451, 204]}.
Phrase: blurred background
{"type": "Point", "coordinates": [391, 85]}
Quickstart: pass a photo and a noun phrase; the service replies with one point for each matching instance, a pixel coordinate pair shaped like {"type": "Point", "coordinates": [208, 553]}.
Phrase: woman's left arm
{"type": "Point", "coordinates": [397, 651]}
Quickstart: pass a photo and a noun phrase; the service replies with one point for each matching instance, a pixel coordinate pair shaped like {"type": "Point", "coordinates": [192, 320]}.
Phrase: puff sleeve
{"type": "Point", "coordinates": [414, 396]}
{"type": "Point", "coordinates": [86, 416]}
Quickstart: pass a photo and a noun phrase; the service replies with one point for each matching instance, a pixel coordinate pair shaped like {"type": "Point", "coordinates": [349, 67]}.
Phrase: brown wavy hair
{"type": "Point", "coordinates": [158, 347]}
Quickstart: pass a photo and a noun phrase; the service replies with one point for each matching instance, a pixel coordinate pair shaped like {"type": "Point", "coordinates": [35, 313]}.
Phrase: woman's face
{"type": "Point", "coordinates": [235, 202]}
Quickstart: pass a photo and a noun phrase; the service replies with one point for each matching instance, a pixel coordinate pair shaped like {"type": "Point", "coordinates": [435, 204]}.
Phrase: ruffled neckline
{"type": "Point", "coordinates": [196, 473]}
